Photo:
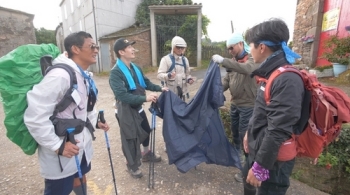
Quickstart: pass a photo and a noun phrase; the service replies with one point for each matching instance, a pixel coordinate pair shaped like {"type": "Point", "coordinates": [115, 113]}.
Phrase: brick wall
{"type": "Point", "coordinates": [16, 28]}
{"type": "Point", "coordinates": [143, 45]}
{"type": "Point", "coordinates": [308, 22]}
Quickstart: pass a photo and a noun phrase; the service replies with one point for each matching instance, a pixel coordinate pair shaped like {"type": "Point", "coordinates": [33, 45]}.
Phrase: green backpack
{"type": "Point", "coordinates": [20, 70]}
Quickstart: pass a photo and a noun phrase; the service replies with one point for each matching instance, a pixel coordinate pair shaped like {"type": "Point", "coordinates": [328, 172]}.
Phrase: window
{"type": "Point", "coordinates": [80, 25]}
{"type": "Point", "coordinates": [71, 6]}
{"type": "Point", "coordinates": [65, 11]}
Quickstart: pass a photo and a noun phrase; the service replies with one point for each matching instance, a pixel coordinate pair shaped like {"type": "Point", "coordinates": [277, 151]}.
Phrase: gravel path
{"type": "Point", "coordinates": [19, 173]}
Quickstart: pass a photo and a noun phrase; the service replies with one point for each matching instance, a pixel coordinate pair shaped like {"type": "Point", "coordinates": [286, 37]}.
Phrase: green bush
{"type": "Point", "coordinates": [338, 153]}
{"type": "Point", "coordinates": [226, 120]}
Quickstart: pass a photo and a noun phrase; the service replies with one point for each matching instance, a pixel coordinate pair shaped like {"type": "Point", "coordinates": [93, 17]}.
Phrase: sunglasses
{"type": "Point", "coordinates": [231, 48]}
{"type": "Point", "coordinates": [179, 47]}
{"type": "Point", "coordinates": [93, 47]}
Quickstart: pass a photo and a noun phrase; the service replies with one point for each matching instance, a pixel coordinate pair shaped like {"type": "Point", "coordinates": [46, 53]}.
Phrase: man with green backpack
{"type": "Point", "coordinates": [65, 155]}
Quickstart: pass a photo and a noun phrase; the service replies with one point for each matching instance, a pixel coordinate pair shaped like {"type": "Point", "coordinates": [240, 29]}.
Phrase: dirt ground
{"type": "Point", "coordinates": [19, 173]}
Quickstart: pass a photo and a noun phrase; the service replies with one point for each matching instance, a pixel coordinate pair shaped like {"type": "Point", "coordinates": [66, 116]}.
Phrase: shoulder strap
{"type": "Point", "coordinates": [172, 58]}
{"type": "Point", "coordinates": [305, 115]}
{"type": "Point", "coordinates": [67, 98]}
{"type": "Point", "coordinates": [274, 75]}
{"type": "Point", "coordinates": [184, 63]}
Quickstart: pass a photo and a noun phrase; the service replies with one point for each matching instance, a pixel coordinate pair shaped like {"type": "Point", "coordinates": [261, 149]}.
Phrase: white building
{"type": "Point", "coordinates": [99, 18]}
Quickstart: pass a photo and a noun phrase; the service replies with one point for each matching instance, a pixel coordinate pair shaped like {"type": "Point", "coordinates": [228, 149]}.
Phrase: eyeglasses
{"type": "Point", "coordinates": [92, 47]}
{"type": "Point", "coordinates": [179, 47]}
{"type": "Point", "coordinates": [231, 48]}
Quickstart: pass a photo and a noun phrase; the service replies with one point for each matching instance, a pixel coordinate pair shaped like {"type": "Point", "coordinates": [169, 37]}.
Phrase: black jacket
{"type": "Point", "coordinates": [272, 124]}
{"type": "Point", "coordinates": [193, 132]}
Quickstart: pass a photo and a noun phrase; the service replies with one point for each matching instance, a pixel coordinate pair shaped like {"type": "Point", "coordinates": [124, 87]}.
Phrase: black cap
{"type": "Point", "coordinates": [121, 44]}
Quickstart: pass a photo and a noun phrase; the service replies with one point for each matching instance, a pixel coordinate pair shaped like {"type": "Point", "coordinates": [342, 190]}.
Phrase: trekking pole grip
{"type": "Point", "coordinates": [102, 116]}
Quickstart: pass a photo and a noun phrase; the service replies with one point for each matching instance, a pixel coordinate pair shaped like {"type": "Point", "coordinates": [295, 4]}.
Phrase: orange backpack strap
{"type": "Point", "coordinates": [275, 74]}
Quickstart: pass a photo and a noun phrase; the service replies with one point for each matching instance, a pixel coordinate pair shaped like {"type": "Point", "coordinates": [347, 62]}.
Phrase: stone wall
{"type": "Point", "coordinates": [308, 22]}
{"type": "Point", "coordinates": [16, 28]}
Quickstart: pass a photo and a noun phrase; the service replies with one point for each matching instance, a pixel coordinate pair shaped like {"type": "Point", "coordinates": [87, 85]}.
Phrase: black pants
{"type": "Point", "coordinates": [239, 123]}
{"type": "Point", "coordinates": [145, 126]}
{"type": "Point", "coordinates": [278, 182]}
{"type": "Point", "coordinates": [65, 185]}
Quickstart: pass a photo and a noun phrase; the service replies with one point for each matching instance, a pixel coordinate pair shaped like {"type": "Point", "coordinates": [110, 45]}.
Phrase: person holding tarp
{"type": "Point", "coordinates": [242, 88]}
{"type": "Point", "coordinates": [128, 84]}
{"type": "Point", "coordinates": [62, 153]}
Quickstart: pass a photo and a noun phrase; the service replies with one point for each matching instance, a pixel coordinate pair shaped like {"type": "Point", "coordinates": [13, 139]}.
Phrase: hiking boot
{"type": "Point", "coordinates": [238, 177]}
{"type": "Point", "coordinates": [135, 174]}
{"type": "Point", "coordinates": [149, 155]}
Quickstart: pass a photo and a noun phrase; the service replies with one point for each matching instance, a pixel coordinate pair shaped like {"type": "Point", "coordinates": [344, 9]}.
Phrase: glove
{"type": "Point", "coordinates": [217, 58]}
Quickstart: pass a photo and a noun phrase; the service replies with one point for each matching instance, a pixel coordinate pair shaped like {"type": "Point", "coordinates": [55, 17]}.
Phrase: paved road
{"type": "Point", "coordinates": [200, 73]}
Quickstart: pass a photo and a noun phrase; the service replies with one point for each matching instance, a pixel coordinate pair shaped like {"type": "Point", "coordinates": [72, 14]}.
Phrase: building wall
{"type": "Point", "coordinates": [142, 45]}
{"type": "Point", "coordinates": [344, 20]}
{"type": "Point", "coordinates": [59, 37]}
{"type": "Point", "coordinates": [16, 28]}
{"type": "Point", "coordinates": [112, 16]}
{"type": "Point", "coordinates": [308, 22]}
{"type": "Point", "coordinates": [109, 17]}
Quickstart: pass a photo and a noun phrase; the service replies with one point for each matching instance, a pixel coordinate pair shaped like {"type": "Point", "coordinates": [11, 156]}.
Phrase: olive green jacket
{"type": "Point", "coordinates": [242, 87]}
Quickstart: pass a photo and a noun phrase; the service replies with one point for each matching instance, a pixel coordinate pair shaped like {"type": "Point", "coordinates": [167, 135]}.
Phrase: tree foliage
{"type": "Point", "coordinates": [188, 30]}
{"type": "Point", "coordinates": [167, 26]}
{"type": "Point", "coordinates": [45, 36]}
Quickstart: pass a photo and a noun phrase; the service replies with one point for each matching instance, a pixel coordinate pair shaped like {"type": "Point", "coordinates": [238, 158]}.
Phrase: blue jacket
{"type": "Point", "coordinates": [194, 132]}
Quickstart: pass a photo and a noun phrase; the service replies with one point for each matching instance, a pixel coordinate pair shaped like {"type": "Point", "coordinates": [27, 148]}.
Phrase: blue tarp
{"type": "Point", "coordinates": [194, 132]}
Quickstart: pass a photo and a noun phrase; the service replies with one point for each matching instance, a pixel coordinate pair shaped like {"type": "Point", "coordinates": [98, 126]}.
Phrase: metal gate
{"type": "Point", "coordinates": [166, 32]}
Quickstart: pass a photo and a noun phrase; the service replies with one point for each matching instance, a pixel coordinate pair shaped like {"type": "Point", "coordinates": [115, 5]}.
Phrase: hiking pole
{"type": "Point", "coordinates": [71, 136]}
{"type": "Point", "coordinates": [102, 119]}
{"type": "Point", "coordinates": [152, 140]}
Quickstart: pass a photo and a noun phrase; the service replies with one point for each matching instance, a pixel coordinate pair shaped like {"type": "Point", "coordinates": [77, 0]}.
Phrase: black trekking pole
{"type": "Point", "coordinates": [71, 130]}
{"type": "Point", "coordinates": [152, 140]}
{"type": "Point", "coordinates": [102, 119]}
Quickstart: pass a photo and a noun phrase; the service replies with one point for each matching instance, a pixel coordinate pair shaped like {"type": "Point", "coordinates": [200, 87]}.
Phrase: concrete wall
{"type": "Point", "coordinates": [110, 16]}
{"type": "Point", "coordinates": [59, 37]}
{"type": "Point", "coordinates": [16, 28]}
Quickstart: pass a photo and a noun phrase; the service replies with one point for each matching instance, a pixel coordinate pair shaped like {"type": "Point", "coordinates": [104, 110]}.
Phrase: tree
{"type": "Point", "coordinates": [188, 30]}
{"type": "Point", "coordinates": [45, 36]}
{"type": "Point", "coordinates": [167, 26]}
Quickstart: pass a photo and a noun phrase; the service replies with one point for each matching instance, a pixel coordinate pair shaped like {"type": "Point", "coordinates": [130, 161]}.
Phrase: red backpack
{"type": "Point", "coordinates": [329, 108]}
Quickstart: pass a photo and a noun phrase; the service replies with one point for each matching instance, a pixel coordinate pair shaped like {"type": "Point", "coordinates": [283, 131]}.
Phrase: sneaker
{"type": "Point", "coordinates": [238, 177]}
{"type": "Point", "coordinates": [149, 155]}
{"type": "Point", "coordinates": [135, 174]}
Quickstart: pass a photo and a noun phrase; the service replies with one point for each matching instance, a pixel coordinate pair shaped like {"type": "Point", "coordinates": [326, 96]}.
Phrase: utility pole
{"type": "Point", "coordinates": [232, 27]}
{"type": "Point", "coordinates": [98, 64]}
